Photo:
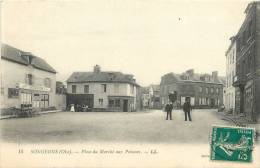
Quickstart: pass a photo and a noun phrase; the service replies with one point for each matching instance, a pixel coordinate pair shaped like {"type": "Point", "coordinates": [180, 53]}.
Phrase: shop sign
{"type": "Point", "coordinates": [29, 87]}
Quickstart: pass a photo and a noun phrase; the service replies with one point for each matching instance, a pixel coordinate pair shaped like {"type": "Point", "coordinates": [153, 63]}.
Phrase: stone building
{"type": "Point", "coordinates": [154, 95]}
{"type": "Point", "coordinates": [247, 79]}
{"type": "Point", "coordinates": [204, 90]}
{"type": "Point", "coordinates": [26, 79]}
{"type": "Point", "coordinates": [103, 90]}
{"type": "Point", "coordinates": [145, 97]}
{"type": "Point", "coordinates": [151, 97]}
{"type": "Point", "coordinates": [229, 95]}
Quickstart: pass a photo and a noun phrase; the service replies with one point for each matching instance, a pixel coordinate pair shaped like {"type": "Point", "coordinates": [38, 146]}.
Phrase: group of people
{"type": "Point", "coordinates": [79, 108]}
{"type": "Point", "coordinates": [187, 108]}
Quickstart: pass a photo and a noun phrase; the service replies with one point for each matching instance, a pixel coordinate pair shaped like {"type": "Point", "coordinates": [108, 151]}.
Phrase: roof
{"type": "Point", "coordinates": [145, 90]}
{"type": "Point", "coordinates": [173, 77]}
{"type": "Point", "coordinates": [222, 80]}
{"type": "Point", "coordinates": [105, 76]}
{"type": "Point", "coordinates": [15, 55]}
{"type": "Point", "coordinates": [155, 87]}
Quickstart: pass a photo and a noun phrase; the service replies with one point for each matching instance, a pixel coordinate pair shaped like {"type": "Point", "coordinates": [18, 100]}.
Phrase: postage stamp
{"type": "Point", "coordinates": [232, 143]}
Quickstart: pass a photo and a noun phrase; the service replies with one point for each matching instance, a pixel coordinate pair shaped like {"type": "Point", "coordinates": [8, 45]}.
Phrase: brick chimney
{"type": "Point", "coordinates": [97, 69]}
{"type": "Point", "coordinates": [215, 75]}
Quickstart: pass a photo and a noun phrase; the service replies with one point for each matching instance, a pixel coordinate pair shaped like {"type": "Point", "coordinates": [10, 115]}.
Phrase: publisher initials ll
{"type": "Point", "coordinates": [20, 151]}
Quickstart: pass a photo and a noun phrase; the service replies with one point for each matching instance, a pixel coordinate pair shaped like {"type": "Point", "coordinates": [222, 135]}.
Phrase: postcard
{"type": "Point", "coordinates": [130, 83]}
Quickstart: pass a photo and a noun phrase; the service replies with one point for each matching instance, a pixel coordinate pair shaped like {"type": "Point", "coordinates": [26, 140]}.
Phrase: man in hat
{"type": "Point", "coordinates": [187, 108]}
{"type": "Point", "coordinates": [168, 109]}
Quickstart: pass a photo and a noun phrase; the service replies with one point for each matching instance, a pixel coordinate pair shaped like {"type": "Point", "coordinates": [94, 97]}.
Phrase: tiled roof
{"type": "Point", "coordinates": [106, 76]}
{"type": "Point", "coordinates": [172, 77]}
{"type": "Point", "coordinates": [13, 54]}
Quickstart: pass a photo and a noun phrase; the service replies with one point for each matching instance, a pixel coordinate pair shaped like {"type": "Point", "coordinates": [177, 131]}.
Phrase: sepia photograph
{"type": "Point", "coordinates": [129, 83]}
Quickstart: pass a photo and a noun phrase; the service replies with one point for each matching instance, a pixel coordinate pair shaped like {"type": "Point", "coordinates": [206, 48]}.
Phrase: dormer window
{"type": "Point", "coordinates": [27, 56]}
{"type": "Point", "coordinates": [111, 76]}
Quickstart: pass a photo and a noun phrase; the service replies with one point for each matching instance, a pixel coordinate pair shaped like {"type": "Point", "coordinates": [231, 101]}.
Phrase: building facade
{"type": "Point", "coordinates": [154, 96]}
{"type": "Point", "coordinates": [145, 97]}
{"type": "Point", "coordinates": [26, 79]}
{"type": "Point", "coordinates": [230, 92]}
{"type": "Point", "coordinates": [204, 90]}
{"type": "Point", "coordinates": [247, 79]}
{"type": "Point", "coordinates": [106, 91]}
{"type": "Point", "coordinates": [151, 97]}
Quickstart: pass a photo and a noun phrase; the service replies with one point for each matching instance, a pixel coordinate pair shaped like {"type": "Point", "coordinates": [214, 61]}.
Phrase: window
{"type": "Point", "coordinates": [111, 103]}
{"type": "Point", "coordinates": [13, 93]}
{"type": "Point", "coordinates": [212, 90]}
{"type": "Point", "coordinates": [2, 90]}
{"type": "Point", "coordinates": [26, 98]}
{"type": "Point", "coordinates": [74, 88]}
{"type": "Point", "coordinates": [86, 88]}
{"type": "Point", "coordinates": [250, 29]}
{"type": "Point", "coordinates": [249, 63]}
{"type": "Point", "coordinates": [199, 101]}
{"type": "Point", "coordinates": [44, 100]}
{"type": "Point", "coordinates": [29, 79]}
{"type": "Point", "coordinates": [100, 102]}
{"type": "Point", "coordinates": [117, 102]}
{"type": "Point", "coordinates": [132, 89]}
{"type": "Point", "coordinates": [47, 82]}
{"type": "Point", "coordinates": [104, 87]}
{"type": "Point", "coordinates": [217, 90]}
{"type": "Point", "coordinates": [200, 89]}
{"type": "Point", "coordinates": [204, 101]}
{"type": "Point", "coordinates": [207, 90]}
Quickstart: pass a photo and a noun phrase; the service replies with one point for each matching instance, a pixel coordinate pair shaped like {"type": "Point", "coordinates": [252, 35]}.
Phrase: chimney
{"type": "Point", "coordinates": [97, 69]}
{"type": "Point", "coordinates": [214, 75]}
{"type": "Point", "coordinates": [190, 72]}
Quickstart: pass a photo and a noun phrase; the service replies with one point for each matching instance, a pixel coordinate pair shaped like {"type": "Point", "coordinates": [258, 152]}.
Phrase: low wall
{"type": "Point", "coordinates": [60, 101]}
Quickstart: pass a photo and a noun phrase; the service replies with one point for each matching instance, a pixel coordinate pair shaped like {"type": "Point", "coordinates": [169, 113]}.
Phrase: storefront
{"type": "Point", "coordinates": [38, 96]}
{"type": "Point", "coordinates": [121, 103]}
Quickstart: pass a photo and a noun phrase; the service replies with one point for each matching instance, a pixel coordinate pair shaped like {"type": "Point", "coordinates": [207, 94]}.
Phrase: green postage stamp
{"type": "Point", "coordinates": [232, 143]}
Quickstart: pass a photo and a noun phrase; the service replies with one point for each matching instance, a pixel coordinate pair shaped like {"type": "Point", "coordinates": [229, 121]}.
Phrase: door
{"type": "Point", "coordinates": [125, 106]}
{"type": "Point", "coordinates": [212, 102]}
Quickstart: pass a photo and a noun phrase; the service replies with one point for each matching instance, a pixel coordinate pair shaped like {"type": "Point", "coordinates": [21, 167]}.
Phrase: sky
{"type": "Point", "coordinates": [146, 38]}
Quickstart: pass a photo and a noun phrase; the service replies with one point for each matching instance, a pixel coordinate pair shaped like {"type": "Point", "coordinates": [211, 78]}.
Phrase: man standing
{"type": "Point", "coordinates": [168, 109]}
{"type": "Point", "coordinates": [187, 108]}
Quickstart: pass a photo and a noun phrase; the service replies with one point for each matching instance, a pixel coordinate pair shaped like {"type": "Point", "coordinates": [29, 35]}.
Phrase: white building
{"type": "Point", "coordinates": [26, 79]}
{"type": "Point", "coordinates": [109, 91]}
{"type": "Point", "coordinates": [230, 73]}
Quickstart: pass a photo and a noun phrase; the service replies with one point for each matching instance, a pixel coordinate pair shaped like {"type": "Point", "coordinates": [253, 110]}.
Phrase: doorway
{"type": "Point", "coordinates": [212, 103]}
{"type": "Point", "coordinates": [125, 106]}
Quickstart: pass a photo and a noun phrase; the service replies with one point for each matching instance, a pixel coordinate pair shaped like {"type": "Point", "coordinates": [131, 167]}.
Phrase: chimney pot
{"type": "Point", "coordinates": [97, 69]}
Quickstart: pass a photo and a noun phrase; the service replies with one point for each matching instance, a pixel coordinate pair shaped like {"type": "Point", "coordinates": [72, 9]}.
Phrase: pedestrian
{"type": "Point", "coordinates": [187, 108]}
{"type": "Point", "coordinates": [168, 109]}
{"type": "Point", "coordinates": [72, 109]}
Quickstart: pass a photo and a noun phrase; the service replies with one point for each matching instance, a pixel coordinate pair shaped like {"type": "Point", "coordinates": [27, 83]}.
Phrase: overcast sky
{"type": "Point", "coordinates": [147, 38]}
